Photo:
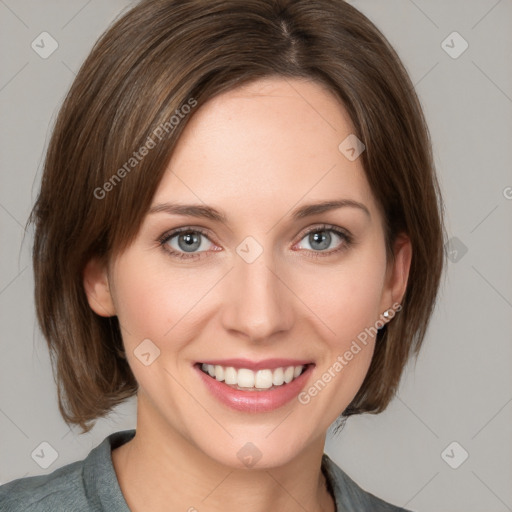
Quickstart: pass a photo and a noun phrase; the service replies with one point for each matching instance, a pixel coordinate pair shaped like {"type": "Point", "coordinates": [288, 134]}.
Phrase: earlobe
{"type": "Point", "coordinates": [97, 288]}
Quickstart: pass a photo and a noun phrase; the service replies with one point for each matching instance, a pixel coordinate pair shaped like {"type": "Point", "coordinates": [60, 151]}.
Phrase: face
{"type": "Point", "coordinates": [267, 287]}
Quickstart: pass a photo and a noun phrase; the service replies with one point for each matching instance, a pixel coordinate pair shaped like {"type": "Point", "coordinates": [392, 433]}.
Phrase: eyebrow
{"type": "Point", "coordinates": [208, 212]}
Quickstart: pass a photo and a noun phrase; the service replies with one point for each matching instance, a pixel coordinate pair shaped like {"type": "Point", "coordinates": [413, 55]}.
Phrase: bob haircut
{"type": "Point", "coordinates": [122, 117]}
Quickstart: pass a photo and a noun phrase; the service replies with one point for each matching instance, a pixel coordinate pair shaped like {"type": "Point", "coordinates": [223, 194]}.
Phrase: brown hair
{"type": "Point", "coordinates": [161, 56]}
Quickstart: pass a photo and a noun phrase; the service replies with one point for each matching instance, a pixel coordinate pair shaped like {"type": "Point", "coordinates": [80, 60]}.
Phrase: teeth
{"type": "Point", "coordinates": [263, 379]}
{"type": "Point", "coordinates": [277, 376]}
{"type": "Point", "coordinates": [219, 372]}
{"type": "Point", "coordinates": [230, 375]}
{"type": "Point", "coordinates": [245, 378]}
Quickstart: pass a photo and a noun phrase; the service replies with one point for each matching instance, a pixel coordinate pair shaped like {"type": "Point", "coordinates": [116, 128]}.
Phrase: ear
{"type": "Point", "coordinates": [397, 273]}
{"type": "Point", "coordinates": [97, 289]}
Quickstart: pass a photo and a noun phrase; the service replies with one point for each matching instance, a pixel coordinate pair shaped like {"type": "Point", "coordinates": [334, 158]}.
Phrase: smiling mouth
{"type": "Point", "coordinates": [245, 379]}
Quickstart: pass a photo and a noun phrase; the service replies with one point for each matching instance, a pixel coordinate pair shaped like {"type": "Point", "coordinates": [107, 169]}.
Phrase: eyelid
{"type": "Point", "coordinates": [184, 229]}
{"type": "Point", "coordinates": [327, 227]}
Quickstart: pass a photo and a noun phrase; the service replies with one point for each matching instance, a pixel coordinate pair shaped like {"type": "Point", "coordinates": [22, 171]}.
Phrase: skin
{"type": "Point", "coordinates": [255, 153]}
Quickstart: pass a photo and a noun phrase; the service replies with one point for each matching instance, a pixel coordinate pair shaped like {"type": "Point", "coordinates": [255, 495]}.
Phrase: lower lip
{"type": "Point", "coordinates": [255, 401]}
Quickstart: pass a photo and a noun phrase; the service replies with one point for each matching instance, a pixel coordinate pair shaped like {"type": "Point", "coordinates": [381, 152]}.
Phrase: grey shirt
{"type": "Point", "coordinates": [91, 485]}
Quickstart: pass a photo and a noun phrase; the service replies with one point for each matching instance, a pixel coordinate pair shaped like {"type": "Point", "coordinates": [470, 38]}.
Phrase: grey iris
{"type": "Point", "coordinates": [321, 237]}
{"type": "Point", "coordinates": [191, 241]}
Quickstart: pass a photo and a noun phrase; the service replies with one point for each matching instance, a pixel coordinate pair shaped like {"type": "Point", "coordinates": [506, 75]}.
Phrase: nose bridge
{"type": "Point", "coordinates": [258, 305]}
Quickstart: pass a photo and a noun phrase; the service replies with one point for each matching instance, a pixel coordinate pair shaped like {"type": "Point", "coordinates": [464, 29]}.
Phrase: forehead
{"type": "Point", "coordinates": [274, 140]}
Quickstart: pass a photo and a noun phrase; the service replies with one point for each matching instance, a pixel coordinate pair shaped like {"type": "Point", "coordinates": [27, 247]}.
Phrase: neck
{"type": "Point", "coordinates": [161, 470]}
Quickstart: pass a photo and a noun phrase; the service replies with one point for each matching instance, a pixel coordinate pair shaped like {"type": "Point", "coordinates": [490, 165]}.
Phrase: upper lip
{"type": "Point", "coordinates": [270, 364]}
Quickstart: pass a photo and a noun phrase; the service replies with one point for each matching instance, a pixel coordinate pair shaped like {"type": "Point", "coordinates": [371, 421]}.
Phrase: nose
{"type": "Point", "coordinates": [257, 304]}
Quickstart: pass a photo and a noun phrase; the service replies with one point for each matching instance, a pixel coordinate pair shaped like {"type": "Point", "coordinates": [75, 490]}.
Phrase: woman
{"type": "Point", "coordinates": [239, 222]}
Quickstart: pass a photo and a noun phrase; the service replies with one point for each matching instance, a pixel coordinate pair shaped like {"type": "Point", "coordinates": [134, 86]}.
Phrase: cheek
{"type": "Point", "coordinates": [166, 305]}
{"type": "Point", "coordinates": [349, 307]}
{"type": "Point", "coordinates": [347, 298]}
{"type": "Point", "coordinates": [346, 301]}
{"type": "Point", "coordinates": [148, 302]}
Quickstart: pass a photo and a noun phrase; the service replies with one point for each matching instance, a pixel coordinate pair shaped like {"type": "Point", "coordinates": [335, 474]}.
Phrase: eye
{"type": "Point", "coordinates": [191, 243]}
{"type": "Point", "coordinates": [186, 242]}
{"type": "Point", "coordinates": [321, 238]}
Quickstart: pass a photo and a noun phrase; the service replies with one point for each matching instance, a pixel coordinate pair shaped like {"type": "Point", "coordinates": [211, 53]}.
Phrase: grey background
{"type": "Point", "coordinates": [459, 389]}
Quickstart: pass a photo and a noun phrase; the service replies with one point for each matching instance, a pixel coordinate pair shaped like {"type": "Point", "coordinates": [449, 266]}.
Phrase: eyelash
{"type": "Point", "coordinates": [347, 241]}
